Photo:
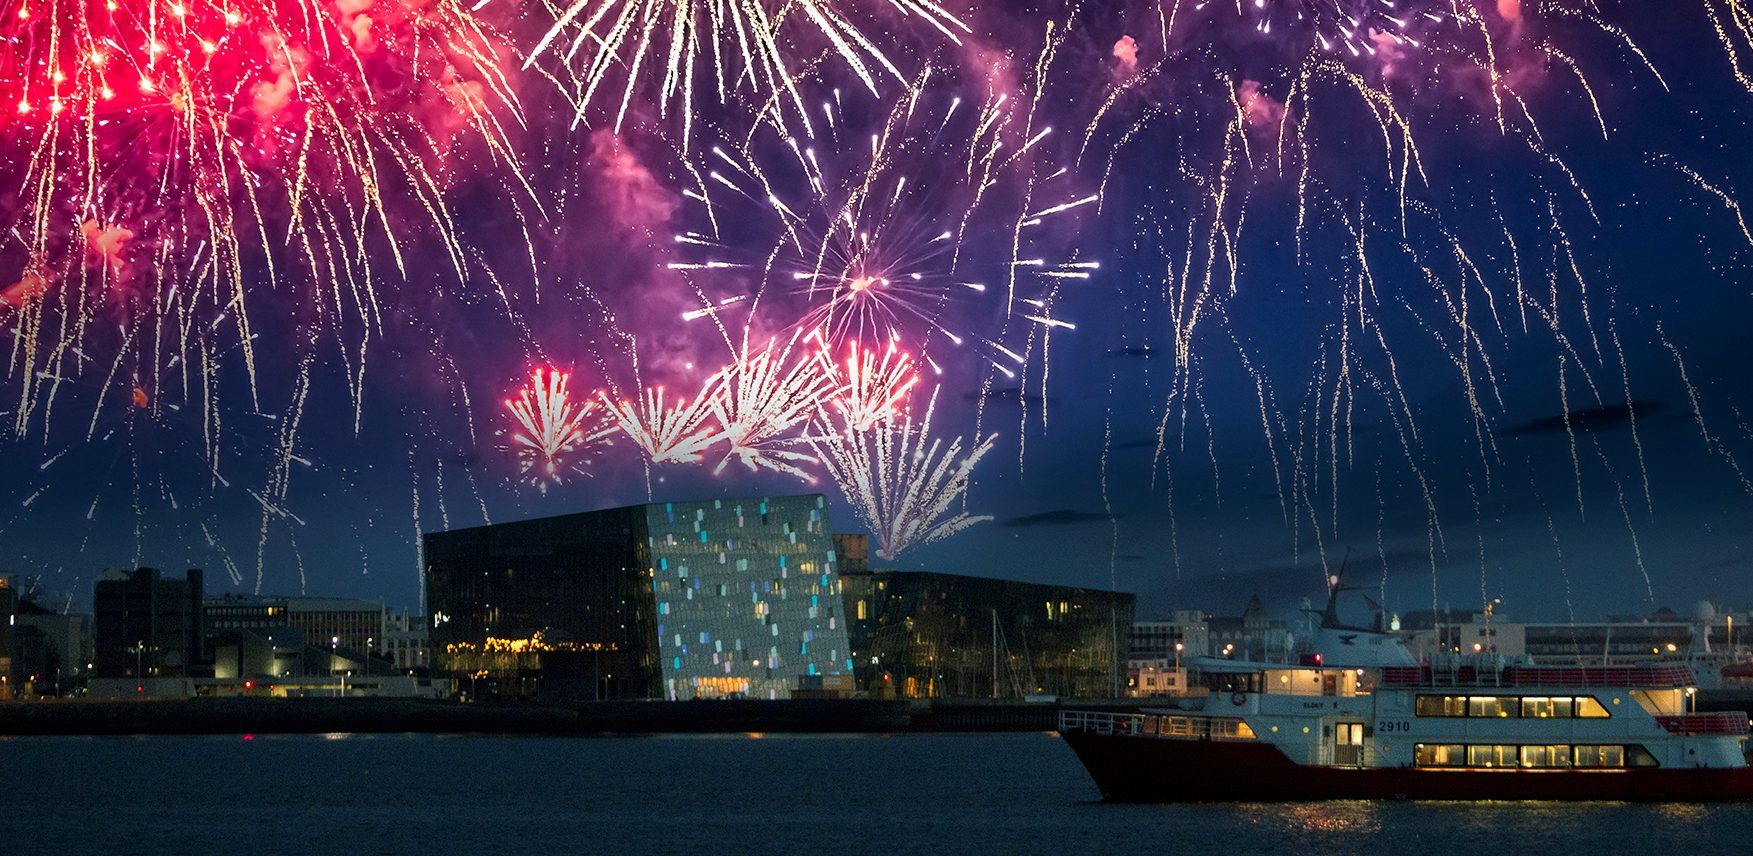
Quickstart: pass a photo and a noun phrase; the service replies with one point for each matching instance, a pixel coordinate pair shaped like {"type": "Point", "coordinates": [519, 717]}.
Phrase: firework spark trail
{"type": "Point", "coordinates": [1733, 22]}
{"type": "Point", "coordinates": [1729, 202]}
{"type": "Point", "coordinates": [1226, 165]}
{"type": "Point", "coordinates": [552, 427]}
{"type": "Point", "coordinates": [1711, 442]}
{"type": "Point", "coordinates": [754, 45]}
{"type": "Point", "coordinates": [173, 156]}
{"type": "Point", "coordinates": [890, 221]}
{"type": "Point", "coordinates": [1354, 28]}
{"type": "Point", "coordinates": [764, 398]}
{"type": "Point", "coordinates": [667, 434]}
{"type": "Point", "coordinates": [273, 499]}
{"type": "Point", "coordinates": [870, 387]}
{"type": "Point", "coordinates": [1576, 466]}
{"type": "Point", "coordinates": [1625, 514]}
{"type": "Point", "coordinates": [419, 531]}
{"type": "Point", "coordinates": [906, 486]}
{"type": "Point", "coordinates": [1643, 469]}
{"type": "Point", "coordinates": [185, 171]}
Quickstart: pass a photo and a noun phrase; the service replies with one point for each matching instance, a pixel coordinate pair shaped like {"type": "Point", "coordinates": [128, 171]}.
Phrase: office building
{"type": "Point", "coordinates": [147, 625]}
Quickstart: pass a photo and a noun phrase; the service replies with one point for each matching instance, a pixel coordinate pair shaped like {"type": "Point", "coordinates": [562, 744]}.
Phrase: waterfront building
{"type": "Point", "coordinates": [854, 552]}
{"type": "Point", "coordinates": [1253, 635]}
{"type": "Point", "coordinates": [1147, 678]}
{"type": "Point", "coordinates": [228, 612]}
{"type": "Point", "coordinates": [9, 679]}
{"type": "Point", "coordinates": [407, 642]}
{"type": "Point", "coordinates": [337, 622]}
{"type": "Point", "coordinates": [52, 650]}
{"type": "Point", "coordinates": [1185, 633]}
{"type": "Point", "coordinates": [674, 600]}
{"type": "Point", "coordinates": [1662, 636]}
{"type": "Point", "coordinates": [918, 634]}
{"type": "Point", "coordinates": [268, 653]}
{"type": "Point", "coordinates": [147, 625]}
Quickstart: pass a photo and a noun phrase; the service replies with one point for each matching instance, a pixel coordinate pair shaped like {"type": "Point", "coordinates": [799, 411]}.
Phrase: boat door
{"type": "Point", "coordinates": [1348, 744]}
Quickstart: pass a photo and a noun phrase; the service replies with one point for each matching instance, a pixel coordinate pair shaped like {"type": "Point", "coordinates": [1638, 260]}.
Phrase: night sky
{"type": "Point", "coordinates": [1467, 420]}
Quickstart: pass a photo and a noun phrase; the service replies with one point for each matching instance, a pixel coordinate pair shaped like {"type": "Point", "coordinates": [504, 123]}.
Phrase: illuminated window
{"type": "Point", "coordinates": [1600, 756]}
{"type": "Point", "coordinates": [1588, 708]}
{"type": "Point", "coordinates": [1431, 705]}
{"type": "Point", "coordinates": [1439, 755]}
{"type": "Point", "coordinates": [1492, 755]}
{"type": "Point", "coordinates": [1546, 756]}
{"type": "Point", "coordinates": [1661, 702]}
{"type": "Point", "coordinates": [1492, 706]}
{"type": "Point", "coordinates": [1542, 707]}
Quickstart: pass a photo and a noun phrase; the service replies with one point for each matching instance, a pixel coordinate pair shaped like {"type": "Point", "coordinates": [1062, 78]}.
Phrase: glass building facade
{"type": "Point", "coordinates": [721, 598]}
{"type": "Point", "coordinates": [923, 635]}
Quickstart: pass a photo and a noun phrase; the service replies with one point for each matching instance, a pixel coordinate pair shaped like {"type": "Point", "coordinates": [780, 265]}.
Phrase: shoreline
{"type": "Point", "coordinates": [107, 717]}
{"type": "Point", "coordinates": [373, 715]}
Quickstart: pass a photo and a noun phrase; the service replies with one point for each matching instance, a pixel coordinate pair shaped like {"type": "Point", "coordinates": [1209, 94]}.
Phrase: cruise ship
{"type": "Point", "coordinates": [1359, 719]}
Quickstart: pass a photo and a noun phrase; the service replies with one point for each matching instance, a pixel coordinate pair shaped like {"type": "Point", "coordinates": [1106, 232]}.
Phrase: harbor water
{"type": "Point", "coordinates": [907, 793]}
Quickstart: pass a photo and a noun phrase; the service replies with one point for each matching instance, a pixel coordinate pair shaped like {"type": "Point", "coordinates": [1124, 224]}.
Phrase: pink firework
{"type": "Point", "coordinates": [871, 385]}
{"type": "Point", "coordinates": [552, 427]}
{"type": "Point", "coordinates": [764, 399]}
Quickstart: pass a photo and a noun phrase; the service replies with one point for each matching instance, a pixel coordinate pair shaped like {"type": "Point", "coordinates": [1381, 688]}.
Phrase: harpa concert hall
{"type": "Point", "coordinates": [673, 600]}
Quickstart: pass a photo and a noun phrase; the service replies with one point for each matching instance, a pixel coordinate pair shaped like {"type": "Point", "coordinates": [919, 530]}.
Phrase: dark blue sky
{"type": "Point", "coordinates": [1555, 520]}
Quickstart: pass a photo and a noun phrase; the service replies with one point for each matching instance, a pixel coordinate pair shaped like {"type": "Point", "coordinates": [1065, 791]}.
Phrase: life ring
{"type": "Point", "coordinates": [1238, 698]}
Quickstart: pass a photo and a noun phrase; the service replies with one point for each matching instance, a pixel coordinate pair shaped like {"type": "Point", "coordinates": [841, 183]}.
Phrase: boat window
{"type": "Point", "coordinates": [1492, 706]}
{"type": "Point", "coordinates": [1661, 702]}
{"type": "Point", "coordinates": [1234, 682]}
{"type": "Point", "coordinates": [1439, 755]}
{"type": "Point", "coordinates": [1232, 729]}
{"type": "Point", "coordinates": [1177, 726]}
{"type": "Point", "coordinates": [1492, 755]}
{"type": "Point", "coordinates": [1434, 705]}
{"type": "Point", "coordinates": [1293, 681]}
{"type": "Point", "coordinates": [1600, 756]}
{"type": "Point", "coordinates": [1546, 756]}
{"type": "Point", "coordinates": [1588, 708]}
{"type": "Point", "coordinates": [1553, 707]}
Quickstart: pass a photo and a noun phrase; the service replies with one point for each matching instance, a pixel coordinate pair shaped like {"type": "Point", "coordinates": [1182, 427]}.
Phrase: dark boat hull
{"type": "Point", "coordinates": [1130, 768]}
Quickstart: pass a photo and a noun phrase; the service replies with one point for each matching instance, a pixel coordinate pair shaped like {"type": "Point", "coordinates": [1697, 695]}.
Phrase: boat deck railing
{"type": "Point", "coordinates": [1537, 676]}
{"type": "Point", "coordinates": [1705, 723]}
{"type": "Point", "coordinates": [1174, 726]}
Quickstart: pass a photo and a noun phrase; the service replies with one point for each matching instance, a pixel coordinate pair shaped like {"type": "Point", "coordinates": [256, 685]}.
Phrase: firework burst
{"type": "Point", "coordinates": [667, 434]}
{"type": "Point", "coordinates": [763, 399]}
{"type": "Point", "coordinates": [174, 159]}
{"type": "Point", "coordinates": [870, 386]}
{"type": "Point", "coordinates": [913, 221]}
{"type": "Point", "coordinates": [671, 50]}
{"type": "Point", "coordinates": [905, 485]}
{"type": "Point", "coordinates": [1355, 27]}
{"type": "Point", "coordinates": [553, 428]}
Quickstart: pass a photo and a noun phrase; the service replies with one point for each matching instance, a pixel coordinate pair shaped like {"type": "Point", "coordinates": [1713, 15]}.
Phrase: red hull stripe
{"type": "Point", "coordinates": [1150, 769]}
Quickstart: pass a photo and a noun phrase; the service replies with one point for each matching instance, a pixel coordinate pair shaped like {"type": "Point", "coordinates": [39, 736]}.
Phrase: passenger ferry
{"type": "Point", "coordinates": [1466, 728]}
